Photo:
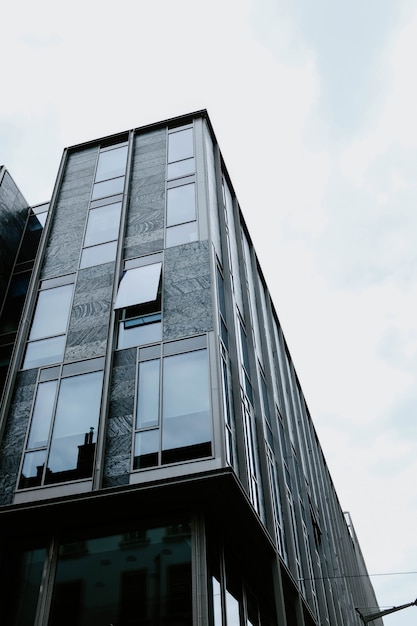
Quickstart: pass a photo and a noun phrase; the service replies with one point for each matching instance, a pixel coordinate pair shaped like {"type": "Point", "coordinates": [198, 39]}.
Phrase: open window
{"type": "Point", "coordinates": [139, 304]}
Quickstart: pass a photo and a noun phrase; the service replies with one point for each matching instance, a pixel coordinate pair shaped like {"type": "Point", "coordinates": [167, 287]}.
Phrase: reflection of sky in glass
{"type": "Point", "coordinates": [181, 204]}
{"type": "Point", "coordinates": [180, 145]}
{"type": "Point", "coordinates": [111, 163]}
{"type": "Point", "coordinates": [32, 461]}
{"type": "Point", "coordinates": [186, 405]}
{"type": "Point", "coordinates": [44, 352]}
{"type": "Point", "coordinates": [42, 414]}
{"type": "Point", "coordinates": [139, 285]}
{"type": "Point", "coordinates": [146, 442]}
{"type": "Point", "coordinates": [77, 411]}
{"type": "Point", "coordinates": [108, 187]}
{"type": "Point", "coordinates": [184, 233]}
{"type": "Point", "coordinates": [232, 610]}
{"type": "Point", "coordinates": [52, 310]}
{"type": "Point", "coordinates": [103, 224]}
{"type": "Point", "coordinates": [96, 255]}
{"type": "Point", "coordinates": [148, 394]}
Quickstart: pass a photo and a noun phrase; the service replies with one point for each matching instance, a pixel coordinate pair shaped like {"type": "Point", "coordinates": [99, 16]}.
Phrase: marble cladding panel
{"type": "Point", "coordinates": [90, 315]}
{"type": "Point", "coordinates": [146, 212]}
{"type": "Point", "coordinates": [187, 295]}
{"type": "Point", "coordinates": [120, 418]}
{"type": "Point", "coordinates": [14, 437]}
{"type": "Point", "coordinates": [65, 239]}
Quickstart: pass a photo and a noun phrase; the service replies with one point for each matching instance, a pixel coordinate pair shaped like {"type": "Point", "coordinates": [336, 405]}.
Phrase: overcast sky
{"type": "Point", "coordinates": [314, 104]}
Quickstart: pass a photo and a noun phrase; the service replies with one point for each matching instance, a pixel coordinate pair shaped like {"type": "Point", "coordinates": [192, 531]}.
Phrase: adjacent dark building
{"type": "Point", "coordinates": [158, 462]}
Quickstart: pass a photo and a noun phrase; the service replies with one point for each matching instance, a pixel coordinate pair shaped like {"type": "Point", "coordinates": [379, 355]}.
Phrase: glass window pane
{"type": "Point", "coordinates": [232, 610]}
{"type": "Point", "coordinates": [217, 603]}
{"type": "Point", "coordinates": [138, 335]}
{"type": "Point", "coordinates": [138, 577]}
{"type": "Point", "coordinates": [75, 428]}
{"type": "Point", "coordinates": [184, 233]}
{"type": "Point", "coordinates": [147, 413]}
{"type": "Point", "coordinates": [180, 145]}
{"type": "Point", "coordinates": [52, 311]}
{"type": "Point", "coordinates": [44, 352]}
{"type": "Point", "coordinates": [111, 163]}
{"type": "Point", "coordinates": [181, 204]}
{"type": "Point", "coordinates": [185, 405]}
{"type": "Point", "coordinates": [24, 575]}
{"type": "Point", "coordinates": [97, 255]}
{"type": "Point", "coordinates": [146, 449]}
{"type": "Point", "coordinates": [108, 187]}
{"type": "Point", "coordinates": [42, 415]}
{"type": "Point", "coordinates": [32, 470]}
{"type": "Point", "coordinates": [103, 224]}
{"type": "Point", "coordinates": [181, 168]}
{"type": "Point", "coordinates": [139, 285]}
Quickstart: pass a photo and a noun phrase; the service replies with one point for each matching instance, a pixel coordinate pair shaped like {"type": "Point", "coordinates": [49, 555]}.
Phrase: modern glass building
{"type": "Point", "coordinates": [158, 462]}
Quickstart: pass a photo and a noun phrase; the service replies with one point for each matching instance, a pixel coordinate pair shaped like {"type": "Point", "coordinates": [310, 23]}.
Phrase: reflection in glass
{"type": "Point", "coordinates": [146, 449]}
{"type": "Point", "coordinates": [42, 415]}
{"type": "Point", "coordinates": [32, 470]}
{"type": "Point", "coordinates": [111, 163]}
{"type": "Point", "coordinates": [25, 573]}
{"type": "Point", "coordinates": [108, 187]}
{"type": "Point", "coordinates": [44, 352]}
{"type": "Point", "coordinates": [97, 255]}
{"type": "Point", "coordinates": [74, 434]}
{"type": "Point", "coordinates": [232, 610]}
{"type": "Point", "coordinates": [52, 311]}
{"type": "Point", "coordinates": [103, 224]}
{"type": "Point", "coordinates": [217, 603]}
{"type": "Point", "coordinates": [186, 426]}
{"type": "Point", "coordinates": [181, 204]}
{"type": "Point", "coordinates": [147, 413]}
{"type": "Point", "coordinates": [180, 145]}
{"type": "Point", "coordinates": [131, 334]}
{"type": "Point", "coordinates": [180, 168]}
{"type": "Point", "coordinates": [139, 285]}
{"type": "Point", "coordinates": [146, 579]}
{"type": "Point", "coordinates": [184, 233]}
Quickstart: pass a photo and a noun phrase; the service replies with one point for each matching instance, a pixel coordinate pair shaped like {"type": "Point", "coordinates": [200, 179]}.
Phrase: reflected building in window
{"type": "Point", "coordinates": [155, 443]}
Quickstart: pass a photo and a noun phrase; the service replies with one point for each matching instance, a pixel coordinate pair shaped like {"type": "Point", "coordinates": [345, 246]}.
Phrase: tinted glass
{"type": "Point", "coordinates": [140, 577]}
{"type": "Point", "coordinates": [185, 402]}
{"type": "Point", "coordinates": [111, 163]}
{"type": "Point", "coordinates": [32, 470]}
{"type": "Point", "coordinates": [108, 187]}
{"type": "Point", "coordinates": [103, 224]}
{"type": "Point", "coordinates": [130, 336]}
{"type": "Point", "coordinates": [97, 255]}
{"type": "Point", "coordinates": [146, 449]}
{"type": "Point", "coordinates": [75, 428]}
{"type": "Point", "coordinates": [15, 300]}
{"type": "Point", "coordinates": [44, 352]}
{"type": "Point", "coordinates": [180, 145]}
{"type": "Point", "coordinates": [181, 204]}
{"type": "Point", "coordinates": [24, 573]}
{"type": "Point", "coordinates": [52, 311]}
{"type": "Point", "coordinates": [42, 415]}
{"type": "Point", "coordinates": [185, 233]}
{"type": "Point", "coordinates": [181, 168]}
{"type": "Point", "coordinates": [148, 394]}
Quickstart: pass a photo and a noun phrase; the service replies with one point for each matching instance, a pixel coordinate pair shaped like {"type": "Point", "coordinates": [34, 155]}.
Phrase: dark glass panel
{"type": "Point", "coordinates": [52, 311]}
{"type": "Point", "coordinates": [42, 415]}
{"type": "Point", "coordinates": [180, 145]}
{"type": "Point", "coordinates": [75, 429]}
{"type": "Point", "coordinates": [15, 301]}
{"type": "Point", "coordinates": [44, 352]}
{"type": "Point", "coordinates": [186, 423]}
{"type": "Point", "coordinates": [24, 574]}
{"type": "Point", "coordinates": [111, 163]}
{"type": "Point", "coordinates": [5, 356]}
{"type": "Point", "coordinates": [184, 233]}
{"type": "Point", "coordinates": [103, 224]}
{"type": "Point", "coordinates": [181, 204]}
{"type": "Point", "coordinates": [128, 579]}
{"type": "Point", "coordinates": [31, 239]}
